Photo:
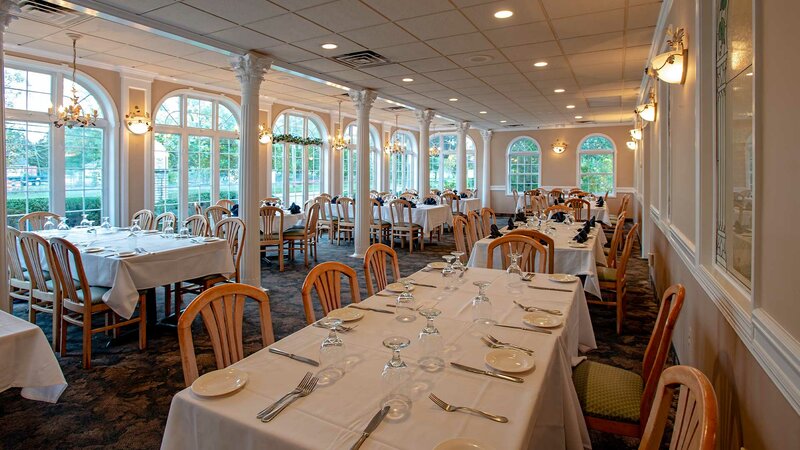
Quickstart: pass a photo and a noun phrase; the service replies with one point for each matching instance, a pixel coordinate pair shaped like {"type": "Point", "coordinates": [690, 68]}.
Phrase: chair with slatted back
{"type": "Point", "coordinates": [523, 245]}
{"type": "Point", "coordinates": [550, 210]}
{"type": "Point", "coordinates": [574, 191]}
{"type": "Point", "coordinates": [462, 235]}
{"type": "Point", "coordinates": [433, 196]}
{"type": "Point", "coordinates": [488, 218]}
{"type": "Point", "coordinates": [19, 283]}
{"type": "Point", "coordinates": [613, 279]}
{"type": "Point", "coordinates": [454, 202]}
{"type": "Point", "coordinates": [326, 280]}
{"type": "Point", "coordinates": [271, 228]}
{"type": "Point", "coordinates": [145, 218]}
{"type": "Point", "coordinates": [555, 194]}
{"type": "Point", "coordinates": [226, 203]}
{"type": "Point", "coordinates": [578, 205]}
{"type": "Point", "coordinates": [327, 221]}
{"type": "Point", "coordinates": [346, 208]}
{"type": "Point", "coordinates": [515, 196]}
{"type": "Point", "coordinates": [214, 214]}
{"type": "Point", "coordinates": [35, 221]}
{"type": "Point", "coordinates": [616, 240]}
{"type": "Point", "coordinates": [197, 224]}
{"type": "Point", "coordinates": [403, 226]}
{"type": "Point", "coordinates": [198, 208]}
{"type": "Point", "coordinates": [271, 201]}
{"type": "Point", "coordinates": [616, 400]}
{"type": "Point", "coordinates": [80, 302]}
{"type": "Point", "coordinates": [544, 239]}
{"type": "Point", "coordinates": [44, 295]}
{"type": "Point", "coordinates": [379, 229]}
{"type": "Point", "coordinates": [695, 421]}
{"type": "Point", "coordinates": [163, 218]}
{"type": "Point", "coordinates": [529, 201]}
{"type": "Point", "coordinates": [222, 311]}
{"type": "Point", "coordinates": [375, 267]}
{"type": "Point", "coordinates": [623, 206]}
{"type": "Point", "coordinates": [476, 225]}
{"type": "Point", "coordinates": [305, 239]}
{"type": "Point", "coordinates": [408, 195]}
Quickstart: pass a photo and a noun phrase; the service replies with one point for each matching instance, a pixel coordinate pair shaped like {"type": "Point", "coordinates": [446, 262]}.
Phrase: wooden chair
{"type": "Point", "coordinates": [222, 309]}
{"type": "Point", "coordinates": [326, 280]}
{"type": "Point", "coordinates": [158, 223]}
{"type": "Point", "coordinates": [375, 267]}
{"type": "Point", "coordinates": [613, 279]}
{"type": "Point", "coordinates": [403, 227]}
{"type": "Point", "coordinates": [545, 240]}
{"type": "Point", "coordinates": [379, 229]}
{"type": "Point", "coordinates": [529, 200]}
{"type": "Point", "coordinates": [145, 218]}
{"type": "Point", "coordinates": [44, 295]}
{"type": "Point", "coordinates": [432, 196]}
{"type": "Point", "coordinates": [306, 238]}
{"type": "Point", "coordinates": [577, 205]}
{"type": "Point", "coordinates": [19, 282]}
{"type": "Point", "coordinates": [550, 210]}
{"type": "Point", "coordinates": [518, 244]}
{"type": "Point", "coordinates": [515, 195]}
{"type": "Point", "coordinates": [574, 191]}
{"type": "Point", "coordinates": [347, 223]}
{"type": "Point", "coordinates": [454, 202]}
{"type": "Point", "coordinates": [271, 227]}
{"type": "Point", "coordinates": [477, 225]}
{"type": "Point", "coordinates": [198, 209]}
{"type": "Point", "coordinates": [225, 203]}
{"type": "Point", "coordinates": [615, 400]}
{"type": "Point", "coordinates": [616, 239]}
{"type": "Point", "coordinates": [463, 235]}
{"type": "Point", "coordinates": [623, 206]}
{"type": "Point", "coordinates": [554, 194]}
{"type": "Point", "coordinates": [695, 422]}
{"type": "Point", "coordinates": [327, 220]}
{"type": "Point", "coordinates": [35, 221]}
{"type": "Point", "coordinates": [80, 301]}
{"type": "Point", "coordinates": [197, 224]}
{"type": "Point", "coordinates": [216, 213]}
{"type": "Point", "coordinates": [408, 196]}
{"type": "Point", "coordinates": [488, 218]}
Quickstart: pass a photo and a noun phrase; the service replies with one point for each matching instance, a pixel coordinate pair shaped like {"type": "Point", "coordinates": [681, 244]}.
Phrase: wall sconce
{"type": "Point", "coordinates": [647, 111]}
{"type": "Point", "coordinates": [631, 144]}
{"type": "Point", "coordinates": [138, 122]}
{"type": "Point", "coordinates": [559, 146]}
{"type": "Point", "coordinates": [671, 65]}
{"type": "Point", "coordinates": [636, 134]}
{"type": "Point", "coordinates": [264, 134]}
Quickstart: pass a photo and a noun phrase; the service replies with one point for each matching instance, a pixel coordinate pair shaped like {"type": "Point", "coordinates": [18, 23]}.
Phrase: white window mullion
{"type": "Point", "coordinates": [183, 188]}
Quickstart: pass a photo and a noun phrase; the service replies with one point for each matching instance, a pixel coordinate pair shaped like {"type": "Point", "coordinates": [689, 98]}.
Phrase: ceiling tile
{"type": "Point", "coordinates": [139, 6]}
{"type": "Point", "coordinates": [245, 38]}
{"type": "Point", "coordinates": [288, 28]}
{"type": "Point", "coordinates": [597, 42]}
{"type": "Point", "coordinates": [322, 65]}
{"type": "Point", "coordinates": [246, 11]}
{"type": "Point", "coordinates": [315, 45]}
{"type": "Point", "coordinates": [295, 5]}
{"type": "Point", "coordinates": [449, 75]}
{"type": "Point", "coordinates": [460, 44]}
{"type": "Point", "coordinates": [430, 64]}
{"type": "Point", "coordinates": [383, 35]}
{"type": "Point", "coordinates": [643, 15]}
{"type": "Point", "coordinates": [289, 53]}
{"type": "Point", "coordinates": [465, 83]}
{"type": "Point", "coordinates": [507, 78]}
{"type": "Point", "coordinates": [448, 23]}
{"type": "Point", "coordinates": [342, 15]}
{"type": "Point", "coordinates": [492, 69]}
{"type": "Point", "coordinates": [559, 8]}
{"type": "Point", "coordinates": [351, 75]}
{"type": "Point", "coordinates": [532, 52]}
{"type": "Point", "coordinates": [90, 43]}
{"type": "Point", "coordinates": [165, 45]}
{"type": "Point", "coordinates": [640, 36]}
{"type": "Point", "coordinates": [520, 34]}
{"type": "Point", "coordinates": [185, 65]}
{"type": "Point", "coordinates": [407, 52]}
{"type": "Point", "coordinates": [589, 59]}
{"type": "Point", "coordinates": [397, 10]}
{"type": "Point", "coordinates": [388, 70]}
{"type": "Point", "coordinates": [525, 11]}
{"type": "Point", "coordinates": [188, 18]}
{"type": "Point", "coordinates": [587, 24]}
{"type": "Point", "coordinates": [139, 54]}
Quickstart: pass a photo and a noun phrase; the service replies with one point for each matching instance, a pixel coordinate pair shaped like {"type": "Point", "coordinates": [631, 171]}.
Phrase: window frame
{"type": "Point", "coordinates": [320, 124]}
{"type": "Point", "coordinates": [410, 163]}
{"type": "Point", "coordinates": [613, 153]}
{"type": "Point", "coordinates": [526, 153]}
{"type": "Point", "coordinates": [374, 149]}
{"type": "Point", "coordinates": [444, 153]}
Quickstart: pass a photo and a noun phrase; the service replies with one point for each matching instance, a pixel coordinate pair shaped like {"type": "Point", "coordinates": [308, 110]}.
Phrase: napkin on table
{"type": "Point", "coordinates": [495, 232]}
{"type": "Point", "coordinates": [581, 237]}
{"type": "Point", "coordinates": [511, 223]}
{"type": "Point", "coordinates": [294, 209]}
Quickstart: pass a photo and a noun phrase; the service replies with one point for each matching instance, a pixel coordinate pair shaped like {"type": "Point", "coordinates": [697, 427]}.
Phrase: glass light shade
{"type": "Point", "coordinates": [631, 144]}
{"type": "Point", "coordinates": [647, 111]}
{"type": "Point", "coordinates": [559, 147]}
{"type": "Point", "coordinates": [670, 66]}
{"type": "Point", "coordinates": [138, 122]}
{"type": "Point", "coordinates": [264, 134]}
{"type": "Point", "coordinates": [139, 127]}
{"type": "Point", "coordinates": [636, 133]}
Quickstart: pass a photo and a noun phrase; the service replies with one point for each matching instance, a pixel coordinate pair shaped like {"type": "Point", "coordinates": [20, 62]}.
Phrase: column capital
{"type": "Point", "coordinates": [250, 68]}
{"type": "Point", "coordinates": [8, 12]}
{"type": "Point", "coordinates": [363, 99]}
{"type": "Point", "coordinates": [462, 127]}
{"type": "Point", "coordinates": [425, 116]}
{"type": "Point", "coordinates": [486, 135]}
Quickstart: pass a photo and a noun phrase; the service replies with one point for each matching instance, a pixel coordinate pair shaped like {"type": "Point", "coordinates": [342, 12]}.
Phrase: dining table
{"type": "Point", "coordinates": [543, 410]}
{"type": "Point", "coordinates": [466, 205]}
{"type": "Point", "coordinates": [570, 257]}
{"type": "Point", "coordinates": [598, 212]}
{"type": "Point", "coordinates": [28, 361]}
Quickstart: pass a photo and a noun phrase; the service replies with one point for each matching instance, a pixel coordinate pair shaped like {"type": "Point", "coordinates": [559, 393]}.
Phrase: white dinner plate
{"type": "Point", "coordinates": [562, 278]}
{"type": "Point", "coordinates": [438, 265]}
{"type": "Point", "coordinates": [542, 320]}
{"type": "Point", "coordinates": [462, 444]}
{"type": "Point", "coordinates": [509, 360]}
{"type": "Point", "coordinates": [397, 287]}
{"type": "Point", "coordinates": [346, 314]}
{"type": "Point", "coordinates": [126, 254]}
{"type": "Point", "coordinates": [219, 382]}
{"type": "Point", "coordinates": [577, 245]}
{"type": "Point", "coordinates": [150, 231]}
{"type": "Point", "coordinates": [94, 249]}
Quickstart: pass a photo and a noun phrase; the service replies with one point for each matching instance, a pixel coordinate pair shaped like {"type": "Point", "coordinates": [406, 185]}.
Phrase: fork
{"type": "Point", "coordinates": [306, 379]}
{"type": "Point", "coordinates": [309, 388]}
{"type": "Point", "coordinates": [493, 345]}
{"type": "Point", "coordinates": [343, 328]}
{"type": "Point", "coordinates": [450, 408]}
{"type": "Point", "coordinates": [506, 344]}
{"type": "Point", "coordinates": [554, 312]}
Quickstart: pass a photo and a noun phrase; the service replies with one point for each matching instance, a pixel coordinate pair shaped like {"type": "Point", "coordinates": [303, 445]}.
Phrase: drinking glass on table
{"type": "Point", "coordinates": [50, 224]}
{"type": "Point", "coordinates": [481, 306]}
{"type": "Point", "coordinates": [84, 221]}
{"type": "Point", "coordinates": [514, 274]}
{"type": "Point", "coordinates": [331, 353]}
{"type": "Point", "coordinates": [405, 303]}
{"type": "Point", "coordinates": [395, 379]}
{"type": "Point", "coordinates": [106, 224]}
{"type": "Point", "coordinates": [184, 233]}
{"type": "Point", "coordinates": [135, 228]}
{"type": "Point", "coordinates": [449, 274]}
{"type": "Point", "coordinates": [169, 228]}
{"type": "Point", "coordinates": [62, 225]}
{"type": "Point", "coordinates": [432, 342]}
{"type": "Point", "coordinates": [458, 265]}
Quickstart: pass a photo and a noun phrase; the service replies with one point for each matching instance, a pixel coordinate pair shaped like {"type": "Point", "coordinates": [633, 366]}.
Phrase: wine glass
{"type": "Point", "coordinates": [405, 303]}
{"type": "Point", "coordinates": [50, 224]}
{"type": "Point", "coordinates": [84, 221]}
{"type": "Point", "coordinates": [514, 274]}
{"type": "Point", "coordinates": [395, 377]}
{"type": "Point", "coordinates": [449, 274]}
{"type": "Point", "coordinates": [331, 352]}
{"type": "Point", "coordinates": [106, 224]}
{"type": "Point", "coordinates": [62, 225]}
{"type": "Point", "coordinates": [458, 265]}
{"type": "Point", "coordinates": [481, 306]}
{"type": "Point", "coordinates": [169, 228]}
{"type": "Point", "coordinates": [135, 228]}
{"type": "Point", "coordinates": [184, 232]}
{"type": "Point", "coordinates": [432, 342]}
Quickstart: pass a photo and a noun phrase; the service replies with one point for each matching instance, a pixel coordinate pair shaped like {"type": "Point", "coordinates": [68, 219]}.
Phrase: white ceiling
{"type": "Point", "coordinates": [595, 49]}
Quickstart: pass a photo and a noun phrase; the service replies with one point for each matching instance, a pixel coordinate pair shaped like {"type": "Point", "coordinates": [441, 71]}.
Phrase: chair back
{"type": "Point", "coordinates": [198, 208]}
{"type": "Point", "coordinates": [159, 222]}
{"type": "Point", "coordinates": [222, 309]}
{"type": "Point", "coordinates": [462, 233]}
{"type": "Point", "coordinates": [622, 263]}
{"type": "Point", "coordinates": [376, 218]}
{"type": "Point", "coordinates": [557, 209]}
{"type": "Point", "coordinates": [528, 199]}
{"type": "Point", "coordinates": [272, 201]}
{"type": "Point", "coordinates": [453, 201]}
{"type": "Point", "coordinates": [554, 194]}
{"type": "Point", "coordinates": [312, 217]}
{"type": "Point", "coordinates": [216, 213]}
{"type": "Point", "coordinates": [400, 213]}
{"type": "Point", "coordinates": [577, 205]}
{"type": "Point", "coordinates": [68, 264]}
{"type": "Point", "coordinates": [325, 209]}
{"type": "Point", "coordinates": [433, 196]}
{"type": "Point", "coordinates": [616, 238]}
{"type": "Point", "coordinates": [518, 244]}
{"type": "Point", "coordinates": [12, 254]}
{"type": "Point", "coordinates": [575, 191]}
{"type": "Point", "coordinates": [623, 205]}
{"type": "Point", "coordinates": [271, 218]}
{"type": "Point", "coordinates": [145, 218]}
{"type": "Point", "coordinates": [344, 206]}
{"type": "Point", "coordinates": [35, 221]}
{"type": "Point", "coordinates": [375, 267]}
{"type": "Point", "coordinates": [307, 205]}
{"type": "Point", "coordinates": [515, 194]}
{"type": "Point", "coordinates": [408, 196]}
{"type": "Point", "coordinates": [655, 355]}
{"type": "Point", "coordinates": [695, 422]}
{"type": "Point", "coordinates": [33, 248]}
{"type": "Point", "coordinates": [226, 203]}
{"type": "Point", "coordinates": [488, 218]}
{"type": "Point", "coordinates": [233, 230]}
{"type": "Point", "coordinates": [326, 280]}
{"type": "Point", "coordinates": [477, 225]}
{"type": "Point", "coordinates": [547, 241]}
{"type": "Point", "coordinates": [197, 224]}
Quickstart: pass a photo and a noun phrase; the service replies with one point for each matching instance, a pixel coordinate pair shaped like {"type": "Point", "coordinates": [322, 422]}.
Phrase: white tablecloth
{"type": "Point", "coordinates": [171, 261]}
{"type": "Point", "coordinates": [28, 361]}
{"type": "Point", "coordinates": [576, 261]}
{"type": "Point", "coordinates": [427, 216]}
{"type": "Point", "coordinates": [543, 412]}
{"type": "Point", "coordinates": [466, 205]}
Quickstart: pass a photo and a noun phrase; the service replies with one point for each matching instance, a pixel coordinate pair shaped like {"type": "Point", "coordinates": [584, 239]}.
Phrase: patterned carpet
{"type": "Point", "coordinates": [123, 401]}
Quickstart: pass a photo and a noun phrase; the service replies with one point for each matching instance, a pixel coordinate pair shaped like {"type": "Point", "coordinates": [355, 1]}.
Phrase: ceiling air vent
{"type": "Point", "coordinates": [50, 13]}
{"type": "Point", "coordinates": [585, 121]}
{"type": "Point", "coordinates": [514, 125]}
{"type": "Point", "coordinates": [360, 60]}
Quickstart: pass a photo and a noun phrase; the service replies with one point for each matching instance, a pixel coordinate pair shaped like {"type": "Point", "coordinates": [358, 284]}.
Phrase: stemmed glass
{"type": "Point", "coordinates": [331, 352]}
{"type": "Point", "coordinates": [106, 224]}
{"type": "Point", "coordinates": [481, 306]}
{"type": "Point", "coordinates": [50, 224]}
{"type": "Point", "coordinates": [84, 221]}
{"type": "Point", "coordinates": [62, 225]}
{"type": "Point", "coordinates": [405, 303]}
{"type": "Point", "coordinates": [169, 228]}
{"type": "Point", "coordinates": [449, 274]}
{"type": "Point", "coordinates": [395, 378]}
{"type": "Point", "coordinates": [458, 265]}
{"type": "Point", "coordinates": [514, 273]}
{"type": "Point", "coordinates": [432, 342]}
{"type": "Point", "coordinates": [184, 233]}
{"type": "Point", "coordinates": [135, 228]}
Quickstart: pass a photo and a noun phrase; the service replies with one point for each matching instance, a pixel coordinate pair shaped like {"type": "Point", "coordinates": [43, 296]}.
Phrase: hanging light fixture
{"type": "Point", "coordinates": [72, 114]}
{"type": "Point", "coordinates": [338, 142]}
{"type": "Point", "coordinates": [671, 65]}
{"type": "Point", "coordinates": [636, 134]}
{"type": "Point", "coordinates": [434, 151]}
{"type": "Point", "coordinates": [138, 122]}
{"type": "Point", "coordinates": [393, 146]}
{"type": "Point", "coordinates": [559, 146]}
{"type": "Point", "coordinates": [631, 144]}
{"type": "Point", "coordinates": [647, 111]}
{"type": "Point", "coordinates": [264, 133]}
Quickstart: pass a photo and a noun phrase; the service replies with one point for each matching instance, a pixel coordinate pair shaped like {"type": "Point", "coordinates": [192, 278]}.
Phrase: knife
{"type": "Point", "coordinates": [373, 424]}
{"type": "Point", "coordinates": [549, 289]}
{"type": "Point", "coordinates": [364, 308]}
{"type": "Point", "coordinates": [423, 284]}
{"type": "Point", "coordinates": [486, 372]}
{"type": "Point", "coordinates": [294, 357]}
{"type": "Point", "coordinates": [534, 329]}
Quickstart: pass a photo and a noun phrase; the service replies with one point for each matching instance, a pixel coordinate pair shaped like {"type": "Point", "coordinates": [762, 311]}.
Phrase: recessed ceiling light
{"type": "Point", "coordinates": [408, 80]}
{"type": "Point", "coordinates": [453, 99]}
{"type": "Point", "coordinates": [579, 117]}
{"type": "Point", "coordinates": [570, 106]}
{"type": "Point", "coordinates": [329, 46]}
{"type": "Point", "coordinates": [503, 121]}
{"type": "Point", "coordinates": [480, 58]}
{"type": "Point", "coordinates": [558, 91]}
{"type": "Point", "coordinates": [540, 64]}
{"type": "Point", "coordinates": [503, 14]}
{"type": "Point", "coordinates": [749, 74]}
{"type": "Point", "coordinates": [482, 112]}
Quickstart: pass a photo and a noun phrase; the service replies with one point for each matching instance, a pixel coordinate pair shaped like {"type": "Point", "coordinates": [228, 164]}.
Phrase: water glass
{"type": "Point", "coordinates": [458, 265]}
{"type": "Point", "coordinates": [481, 306]}
{"type": "Point", "coordinates": [135, 228]}
{"type": "Point", "coordinates": [432, 343]}
{"type": "Point", "coordinates": [50, 224]}
{"type": "Point", "coordinates": [184, 232]}
{"type": "Point", "coordinates": [169, 228]}
{"type": "Point", "coordinates": [84, 221]}
{"type": "Point", "coordinates": [331, 353]}
{"type": "Point", "coordinates": [106, 224]}
{"type": "Point", "coordinates": [395, 378]}
{"type": "Point", "coordinates": [62, 225]}
{"type": "Point", "coordinates": [405, 303]}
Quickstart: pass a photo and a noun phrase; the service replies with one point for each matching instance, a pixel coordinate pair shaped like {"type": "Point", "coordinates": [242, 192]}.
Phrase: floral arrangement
{"type": "Point", "coordinates": [279, 138]}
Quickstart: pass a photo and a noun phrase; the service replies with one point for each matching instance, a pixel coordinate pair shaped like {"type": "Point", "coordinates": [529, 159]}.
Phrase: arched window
{"type": "Point", "coordinates": [443, 167]}
{"type": "Point", "coordinates": [403, 166]}
{"type": "Point", "coordinates": [297, 168]}
{"type": "Point", "coordinates": [596, 170]}
{"type": "Point", "coordinates": [524, 163]}
{"type": "Point", "coordinates": [350, 160]}
{"type": "Point", "coordinates": [62, 170]}
{"type": "Point", "coordinates": [195, 152]}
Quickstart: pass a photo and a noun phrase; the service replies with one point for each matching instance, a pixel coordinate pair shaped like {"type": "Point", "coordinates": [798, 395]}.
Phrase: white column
{"type": "Point", "coordinates": [424, 117]}
{"type": "Point", "coordinates": [486, 171]}
{"type": "Point", "coordinates": [461, 157]}
{"type": "Point", "coordinates": [363, 102]}
{"type": "Point", "coordinates": [250, 70]}
{"type": "Point", "coordinates": [8, 9]}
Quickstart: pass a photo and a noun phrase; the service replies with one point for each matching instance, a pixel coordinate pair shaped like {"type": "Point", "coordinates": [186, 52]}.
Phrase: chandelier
{"type": "Point", "coordinates": [434, 151]}
{"type": "Point", "coordinates": [264, 134]}
{"type": "Point", "coordinates": [338, 141]}
{"type": "Point", "coordinates": [72, 114]}
{"type": "Point", "coordinates": [393, 146]}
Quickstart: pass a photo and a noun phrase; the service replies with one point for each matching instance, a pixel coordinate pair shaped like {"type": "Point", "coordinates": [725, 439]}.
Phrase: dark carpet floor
{"type": "Point", "coordinates": [123, 401]}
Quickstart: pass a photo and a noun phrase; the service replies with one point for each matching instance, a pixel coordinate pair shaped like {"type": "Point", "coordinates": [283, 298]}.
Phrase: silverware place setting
{"type": "Point", "coordinates": [371, 426]}
{"type": "Point", "coordinates": [300, 386]}
{"type": "Point", "coordinates": [488, 373]}
{"type": "Point", "coordinates": [491, 344]}
{"type": "Point", "coordinates": [554, 312]}
{"type": "Point", "coordinates": [496, 341]}
{"type": "Point", "coordinates": [451, 408]}
{"type": "Point", "coordinates": [302, 359]}
{"type": "Point", "coordinates": [365, 308]}
{"type": "Point", "coordinates": [304, 392]}
{"type": "Point", "coordinates": [530, 328]}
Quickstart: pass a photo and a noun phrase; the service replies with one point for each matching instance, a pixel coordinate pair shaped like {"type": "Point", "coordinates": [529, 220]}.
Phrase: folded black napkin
{"type": "Point", "coordinates": [495, 233]}
{"type": "Point", "coordinates": [413, 205]}
{"type": "Point", "coordinates": [592, 222]}
{"type": "Point", "coordinates": [294, 209]}
{"type": "Point", "coordinates": [430, 201]}
{"type": "Point", "coordinates": [335, 199]}
{"type": "Point", "coordinates": [600, 202]}
{"type": "Point", "coordinates": [380, 200]}
{"type": "Point", "coordinates": [520, 217]}
{"type": "Point", "coordinates": [511, 223]}
{"type": "Point", "coordinates": [586, 227]}
{"type": "Point", "coordinates": [463, 195]}
{"type": "Point", "coordinates": [235, 210]}
{"type": "Point", "coordinates": [581, 237]}
{"type": "Point", "coordinates": [558, 217]}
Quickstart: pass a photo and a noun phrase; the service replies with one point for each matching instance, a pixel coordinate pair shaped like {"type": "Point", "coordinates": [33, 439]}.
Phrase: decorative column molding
{"type": "Point", "coordinates": [363, 102]}
{"type": "Point", "coordinates": [8, 11]}
{"type": "Point", "coordinates": [424, 175]}
{"type": "Point", "coordinates": [250, 70]}
{"type": "Point", "coordinates": [486, 197]}
{"type": "Point", "coordinates": [461, 157]}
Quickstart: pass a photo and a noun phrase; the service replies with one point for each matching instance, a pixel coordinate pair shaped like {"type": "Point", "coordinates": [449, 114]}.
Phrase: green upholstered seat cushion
{"type": "Point", "coordinates": [405, 225]}
{"type": "Point", "coordinates": [294, 232]}
{"type": "Point", "coordinates": [96, 292]}
{"type": "Point", "coordinates": [608, 392]}
{"type": "Point", "coordinates": [607, 273]}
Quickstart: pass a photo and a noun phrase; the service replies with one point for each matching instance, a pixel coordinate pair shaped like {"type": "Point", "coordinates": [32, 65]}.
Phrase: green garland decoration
{"type": "Point", "coordinates": [292, 139]}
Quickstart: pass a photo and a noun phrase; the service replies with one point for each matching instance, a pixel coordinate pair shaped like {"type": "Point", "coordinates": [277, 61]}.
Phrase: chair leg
{"type": "Point", "coordinates": [87, 342]}
{"type": "Point", "coordinates": [305, 252]}
{"type": "Point", "coordinates": [62, 345]}
{"type": "Point", "coordinates": [167, 299]}
{"type": "Point", "coordinates": [620, 310]}
{"type": "Point", "coordinates": [142, 322]}
{"type": "Point", "coordinates": [280, 256]}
